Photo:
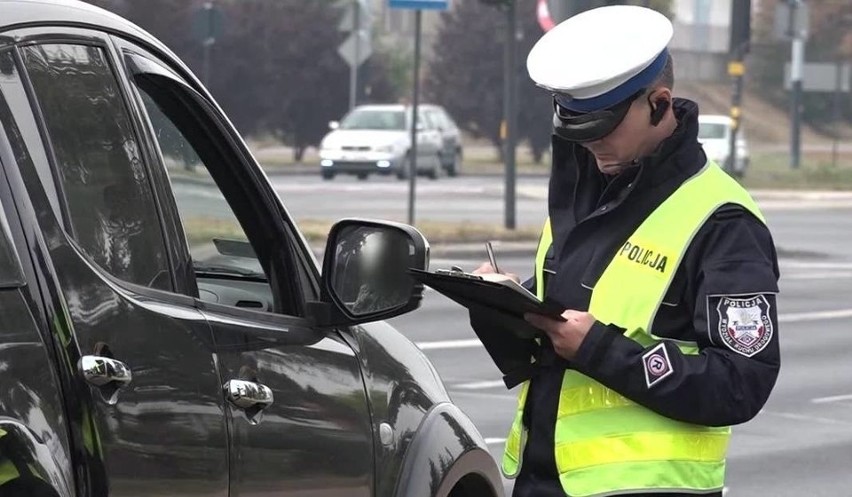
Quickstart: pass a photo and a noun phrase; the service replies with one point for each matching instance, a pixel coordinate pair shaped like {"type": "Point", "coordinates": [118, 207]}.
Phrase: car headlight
{"type": "Point", "coordinates": [385, 149]}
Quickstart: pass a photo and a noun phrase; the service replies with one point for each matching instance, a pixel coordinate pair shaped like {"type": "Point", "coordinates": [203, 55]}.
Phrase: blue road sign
{"type": "Point", "coordinates": [419, 4]}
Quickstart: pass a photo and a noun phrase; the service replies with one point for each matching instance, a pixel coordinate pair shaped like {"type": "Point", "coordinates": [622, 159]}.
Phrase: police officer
{"type": "Point", "coordinates": [665, 267]}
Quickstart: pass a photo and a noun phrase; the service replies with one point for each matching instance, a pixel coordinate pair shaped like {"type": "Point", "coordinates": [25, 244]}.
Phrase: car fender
{"type": "Point", "coordinates": [448, 451]}
{"type": "Point", "coordinates": [32, 460]}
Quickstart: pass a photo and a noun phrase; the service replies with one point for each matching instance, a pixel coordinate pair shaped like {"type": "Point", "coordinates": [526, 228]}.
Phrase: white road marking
{"type": "Point", "coordinates": [450, 344]}
{"type": "Point", "coordinates": [827, 275]}
{"type": "Point", "coordinates": [795, 317]}
{"type": "Point", "coordinates": [495, 441]}
{"type": "Point", "coordinates": [815, 265]}
{"type": "Point", "coordinates": [509, 397]}
{"type": "Point", "coordinates": [808, 419]}
{"type": "Point", "coordinates": [833, 398]}
{"type": "Point", "coordinates": [480, 385]}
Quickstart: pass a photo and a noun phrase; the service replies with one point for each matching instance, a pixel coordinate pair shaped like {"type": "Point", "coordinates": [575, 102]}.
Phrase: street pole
{"type": "Point", "coordinates": [838, 82]}
{"type": "Point", "coordinates": [415, 101]}
{"type": "Point", "coordinates": [797, 59]}
{"type": "Point", "coordinates": [353, 69]}
{"type": "Point", "coordinates": [510, 115]}
{"type": "Point", "coordinates": [736, 69]}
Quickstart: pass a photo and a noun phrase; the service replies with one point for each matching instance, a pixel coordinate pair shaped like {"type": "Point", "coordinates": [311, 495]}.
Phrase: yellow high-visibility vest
{"type": "Point", "coordinates": [605, 443]}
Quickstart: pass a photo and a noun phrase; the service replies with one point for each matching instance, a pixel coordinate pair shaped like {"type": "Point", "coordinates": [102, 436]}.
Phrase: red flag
{"type": "Point", "coordinates": [543, 14]}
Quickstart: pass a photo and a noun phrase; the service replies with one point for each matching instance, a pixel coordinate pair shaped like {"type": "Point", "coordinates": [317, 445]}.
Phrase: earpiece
{"type": "Point", "coordinates": [659, 111]}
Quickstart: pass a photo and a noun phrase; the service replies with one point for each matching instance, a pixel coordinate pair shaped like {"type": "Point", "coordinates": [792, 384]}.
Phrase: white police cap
{"type": "Point", "coordinates": [602, 56]}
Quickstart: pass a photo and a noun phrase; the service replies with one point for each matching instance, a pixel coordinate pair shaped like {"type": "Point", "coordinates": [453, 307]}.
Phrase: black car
{"type": "Point", "coordinates": [164, 329]}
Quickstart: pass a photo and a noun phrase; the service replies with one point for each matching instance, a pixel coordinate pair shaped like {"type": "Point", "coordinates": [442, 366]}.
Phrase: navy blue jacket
{"type": "Point", "coordinates": [723, 297]}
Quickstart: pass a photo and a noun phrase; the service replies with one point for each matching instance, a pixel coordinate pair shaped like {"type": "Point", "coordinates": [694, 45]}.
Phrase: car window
{"type": "Point", "coordinates": [436, 120]}
{"type": "Point", "coordinates": [110, 202]}
{"type": "Point", "coordinates": [711, 131]}
{"type": "Point", "coordinates": [212, 207]}
{"type": "Point", "coordinates": [428, 119]}
{"type": "Point", "coordinates": [374, 119]}
{"type": "Point", "coordinates": [217, 242]}
{"type": "Point", "coordinates": [25, 126]}
{"type": "Point", "coordinates": [447, 120]}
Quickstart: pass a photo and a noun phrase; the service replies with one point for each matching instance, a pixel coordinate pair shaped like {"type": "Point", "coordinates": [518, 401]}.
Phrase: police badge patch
{"type": "Point", "coordinates": [744, 324]}
{"type": "Point", "coordinates": [657, 365]}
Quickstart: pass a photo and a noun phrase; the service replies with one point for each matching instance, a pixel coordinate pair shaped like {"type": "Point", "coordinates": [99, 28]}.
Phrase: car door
{"type": "Point", "coordinates": [143, 395]}
{"type": "Point", "coordinates": [297, 414]}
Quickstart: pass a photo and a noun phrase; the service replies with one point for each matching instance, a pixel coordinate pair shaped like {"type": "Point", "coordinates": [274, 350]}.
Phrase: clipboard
{"type": "Point", "coordinates": [506, 297]}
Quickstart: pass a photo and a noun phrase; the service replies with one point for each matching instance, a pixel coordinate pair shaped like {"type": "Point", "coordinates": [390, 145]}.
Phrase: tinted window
{"type": "Point", "coordinates": [374, 119]}
{"type": "Point", "coordinates": [110, 202]}
{"type": "Point", "coordinates": [10, 269]}
{"type": "Point", "coordinates": [227, 269]}
{"type": "Point", "coordinates": [711, 131]}
{"type": "Point", "coordinates": [210, 225]}
{"type": "Point", "coordinates": [27, 146]}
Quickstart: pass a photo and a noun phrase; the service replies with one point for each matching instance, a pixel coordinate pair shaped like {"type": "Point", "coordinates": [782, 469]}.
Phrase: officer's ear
{"type": "Point", "coordinates": [660, 101]}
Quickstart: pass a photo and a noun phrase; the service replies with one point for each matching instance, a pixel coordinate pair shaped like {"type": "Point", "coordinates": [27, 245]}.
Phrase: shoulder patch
{"type": "Point", "coordinates": [657, 365]}
{"type": "Point", "coordinates": [744, 324]}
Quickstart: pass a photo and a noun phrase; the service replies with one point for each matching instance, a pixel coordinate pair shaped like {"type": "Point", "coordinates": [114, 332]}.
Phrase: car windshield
{"type": "Point", "coordinates": [374, 119]}
{"type": "Point", "coordinates": [711, 131]}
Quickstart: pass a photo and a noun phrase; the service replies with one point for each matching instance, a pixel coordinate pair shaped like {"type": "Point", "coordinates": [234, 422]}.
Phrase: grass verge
{"type": "Point", "coordinates": [817, 172]}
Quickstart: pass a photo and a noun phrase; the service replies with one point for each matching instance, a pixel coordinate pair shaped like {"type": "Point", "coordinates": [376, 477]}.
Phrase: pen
{"type": "Point", "coordinates": [491, 258]}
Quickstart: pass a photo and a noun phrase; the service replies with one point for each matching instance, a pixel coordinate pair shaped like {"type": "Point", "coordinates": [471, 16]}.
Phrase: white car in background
{"type": "Point", "coordinates": [714, 133]}
{"type": "Point", "coordinates": [376, 139]}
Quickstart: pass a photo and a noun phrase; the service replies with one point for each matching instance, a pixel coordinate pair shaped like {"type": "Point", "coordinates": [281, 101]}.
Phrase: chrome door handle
{"type": "Point", "coordinates": [248, 395]}
{"type": "Point", "coordinates": [102, 371]}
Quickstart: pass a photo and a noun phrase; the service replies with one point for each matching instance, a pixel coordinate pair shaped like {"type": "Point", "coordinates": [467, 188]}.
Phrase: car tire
{"type": "Point", "coordinates": [327, 175]}
{"type": "Point", "coordinates": [402, 172]}
{"type": "Point", "coordinates": [437, 169]}
{"type": "Point", "coordinates": [453, 166]}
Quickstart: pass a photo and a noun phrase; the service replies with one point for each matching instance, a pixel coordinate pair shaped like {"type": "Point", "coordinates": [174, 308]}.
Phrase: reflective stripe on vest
{"type": "Point", "coordinates": [606, 444]}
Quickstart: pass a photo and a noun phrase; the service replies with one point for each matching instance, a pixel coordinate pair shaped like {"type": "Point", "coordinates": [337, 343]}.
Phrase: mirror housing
{"type": "Point", "coordinates": [365, 275]}
{"type": "Point", "coordinates": [332, 125]}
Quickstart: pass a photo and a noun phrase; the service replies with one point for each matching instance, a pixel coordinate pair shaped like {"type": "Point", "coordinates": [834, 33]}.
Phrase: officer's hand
{"type": "Point", "coordinates": [485, 268]}
{"type": "Point", "coordinates": [567, 335]}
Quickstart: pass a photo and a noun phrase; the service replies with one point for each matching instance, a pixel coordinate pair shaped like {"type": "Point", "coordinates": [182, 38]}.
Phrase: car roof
{"type": "Point", "coordinates": [714, 119]}
{"type": "Point", "coordinates": [71, 13]}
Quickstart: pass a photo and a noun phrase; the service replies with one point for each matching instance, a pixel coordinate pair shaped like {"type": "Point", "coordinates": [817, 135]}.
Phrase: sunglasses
{"type": "Point", "coordinates": [563, 104]}
{"type": "Point", "coordinates": [582, 127]}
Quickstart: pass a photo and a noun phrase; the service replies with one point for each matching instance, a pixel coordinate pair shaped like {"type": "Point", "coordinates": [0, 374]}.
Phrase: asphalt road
{"type": "Point", "coordinates": [800, 444]}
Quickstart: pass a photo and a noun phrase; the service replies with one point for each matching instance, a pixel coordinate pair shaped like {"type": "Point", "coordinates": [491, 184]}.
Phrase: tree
{"type": "Point", "coordinates": [466, 74]}
{"type": "Point", "coordinates": [275, 68]}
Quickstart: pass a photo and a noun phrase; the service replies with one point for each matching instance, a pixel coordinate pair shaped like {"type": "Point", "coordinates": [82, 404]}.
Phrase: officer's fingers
{"type": "Point", "coordinates": [484, 268]}
{"type": "Point", "coordinates": [543, 323]}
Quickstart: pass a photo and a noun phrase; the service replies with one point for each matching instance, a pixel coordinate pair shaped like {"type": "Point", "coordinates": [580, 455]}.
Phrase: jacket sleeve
{"type": "Point", "coordinates": [733, 288]}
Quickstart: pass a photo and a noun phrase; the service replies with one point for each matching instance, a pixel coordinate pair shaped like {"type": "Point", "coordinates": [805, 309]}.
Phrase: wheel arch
{"type": "Point", "coordinates": [448, 458]}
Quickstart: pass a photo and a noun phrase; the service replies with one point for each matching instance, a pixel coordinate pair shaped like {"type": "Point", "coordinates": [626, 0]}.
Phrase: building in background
{"type": "Point", "coordinates": [700, 43]}
{"type": "Point", "coordinates": [701, 39]}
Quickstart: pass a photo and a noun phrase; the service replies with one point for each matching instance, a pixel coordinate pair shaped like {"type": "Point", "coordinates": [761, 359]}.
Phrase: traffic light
{"type": "Point", "coordinates": [740, 28]}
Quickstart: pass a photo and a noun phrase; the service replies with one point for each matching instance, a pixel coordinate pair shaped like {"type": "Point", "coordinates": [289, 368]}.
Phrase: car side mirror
{"type": "Point", "coordinates": [333, 125]}
{"type": "Point", "coordinates": [366, 271]}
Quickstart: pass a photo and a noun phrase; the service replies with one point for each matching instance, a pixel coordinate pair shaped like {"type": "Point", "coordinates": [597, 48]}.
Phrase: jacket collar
{"type": "Point", "coordinates": [677, 158]}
